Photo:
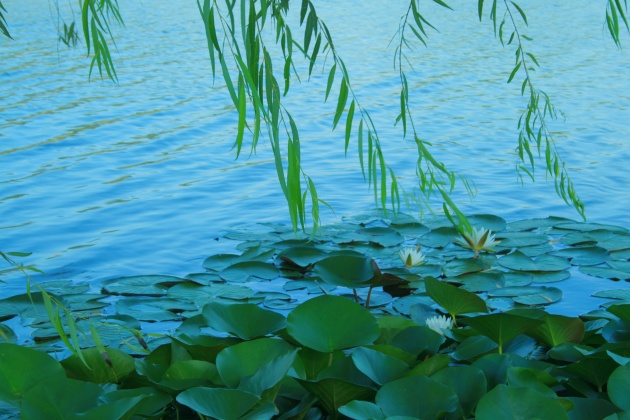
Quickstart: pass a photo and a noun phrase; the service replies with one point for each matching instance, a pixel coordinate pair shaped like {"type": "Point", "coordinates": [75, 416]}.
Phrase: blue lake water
{"type": "Point", "coordinates": [101, 180]}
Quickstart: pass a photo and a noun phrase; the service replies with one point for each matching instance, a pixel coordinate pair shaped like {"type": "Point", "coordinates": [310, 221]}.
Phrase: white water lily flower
{"type": "Point", "coordinates": [478, 240]}
{"type": "Point", "coordinates": [440, 323]}
{"type": "Point", "coordinates": [411, 256]}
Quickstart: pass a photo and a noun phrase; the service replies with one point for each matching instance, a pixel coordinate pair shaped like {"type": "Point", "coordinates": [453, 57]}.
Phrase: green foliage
{"type": "Point", "coordinates": [70, 36]}
{"type": "Point", "coordinates": [236, 354]}
{"type": "Point", "coordinates": [3, 22]}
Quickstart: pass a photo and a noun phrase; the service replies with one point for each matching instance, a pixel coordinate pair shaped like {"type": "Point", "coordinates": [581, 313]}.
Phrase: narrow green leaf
{"type": "Point", "coordinates": [521, 12]}
{"type": "Point", "coordinates": [518, 66]}
{"type": "Point", "coordinates": [480, 8]}
{"type": "Point", "coordinates": [441, 3]}
{"type": "Point", "coordinates": [341, 103]}
{"type": "Point", "coordinates": [241, 116]}
{"type": "Point", "coordinates": [331, 79]}
{"type": "Point", "coordinates": [349, 125]}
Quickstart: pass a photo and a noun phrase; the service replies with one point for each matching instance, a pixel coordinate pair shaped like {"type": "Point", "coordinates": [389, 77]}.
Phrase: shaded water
{"type": "Point", "coordinates": [101, 180]}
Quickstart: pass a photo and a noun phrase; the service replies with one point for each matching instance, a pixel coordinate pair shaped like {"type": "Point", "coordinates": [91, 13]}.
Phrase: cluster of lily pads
{"type": "Point", "coordinates": [368, 319]}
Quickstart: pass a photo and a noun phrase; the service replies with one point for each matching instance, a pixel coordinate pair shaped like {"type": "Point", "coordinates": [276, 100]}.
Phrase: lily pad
{"type": "Point", "coordinates": [244, 320]}
{"type": "Point", "coordinates": [200, 295]}
{"type": "Point", "coordinates": [383, 236]}
{"type": "Point", "coordinates": [327, 323]}
{"type": "Point", "coordinates": [149, 285]}
{"type": "Point", "coordinates": [302, 256]}
{"type": "Point", "coordinates": [153, 309]}
{"type": "Point", "coordinates": [520, 239]}
{"type": "Point", "coordinates": [529, 295]}
{"type": "Point", "coordinates": [242, 271]}
{"type": "Point", "coordinates": [606, 273]}
{"type": "Point", "coordinates": [346, 270]}
{"type": "Point", "coordinates": [621, 294]}
{"type": "Point", "coordinates": [520, 262]}
{"type": "Point", "coordinates": [589, 255]}
{"type": "Point", "coordinates": [487, 221]}
{"type": "Point", "coordinates": [413, 229]}
{"type": "Point", "coordinates": [541, 223]}
{"type": "Point", "coordinates": [551, 277]}
{"type": "Point", "coordinates": [457, 267]}
{"type": "Point", "coordinates": [481, 282]}
{"type": "Point", "coordinates": [439, 237]}
{"type": "Point", "coordinates": [313, 285]}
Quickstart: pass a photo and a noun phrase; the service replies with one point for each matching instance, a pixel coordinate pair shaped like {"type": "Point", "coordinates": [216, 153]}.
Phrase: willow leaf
{"type": "Point", "coordinates": [318, 43]}
{"type": "Point", "coordinates": [341, 102]}
{"type": "Point", "coordinates": [241, 115]}
{"type": "Point", "coordinates": [349, 125]}
{"type": "Point", "coordinates": [331, 79]}
{"type": "Point", "coordinates": [3, 22]}
{"type": "Point", "coordinates": [480, 8]}
{"type": "Point", "coordinates": [360, 147]}
{"type": "Point", "coordinates": [441, 3]}
{"type": "Point", "coordinates": [518, 66]}
{"type": "Point", "coordinates": [521, 12]}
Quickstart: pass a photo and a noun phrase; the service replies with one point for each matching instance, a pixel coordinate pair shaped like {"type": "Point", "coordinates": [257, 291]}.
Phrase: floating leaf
{"type": "Point", "coordinates": [520, 262]}
{"type": "Point", "coordinates": [111, 367]}
{"type": "Point", "coordinates": [502, 327]}
{"type": "Point", "coordinates": [622, 294]}
{"type": "Point", "coordinates": [590, 408]}
{"type": "Point", "coordinates": [588, 255]}
{"type": "Point", "coordinates": [454, 300]}
{"type": "Point", "coordinates": [473, 347]}
{"type": "Point", "coordinates": [22, 368]}
{"type": "Point", "coordinates": [218, 402]}
{"type": "Point", "coordinates": [379, 367]}
{"type": "Point", "coordinates": [381, 235]}
{"type": "Point", "coordinates": [619, 387]}
{"type": "Point", "coordinates": [531, 224]}
{"type": "Point", "coordinates": [400, 398]}
{"type": "Point", "coordinates": [481, 282]}
{"type": "Point", "coordinates": [512, 402]}
{"type": "Point", "coordinates": [520, 239]}
{"type": "Point", "coordinates": [200, 295]}
{"type": "Point", "coordinates": [487, 221]}
{"type": "Point", "coordinates": [606, 273]}
{"type": "Point", "coordinates": [550, 277]}
{"type": "Point", "coordinates": [458, 267]}
{"type": "Point", "coordinates": [61, 399]}
{"type": "Point", "coordinates": [529, 295]}
{"type": "Point", "coordinates": [244, 320]}
{"type": "Point", "coordinates": [242, 271]}
{"type": "Point", "coordinates": [346, 270]}
{"type": "Point", "coordinates": [302, 256]}
{"type": "Point", "coordinates": [149, 285]}
{"type": "Point", "coordinates": [314, 285]}
{"type": "Point", "coordinates": [622, 311]}
{"type": "Point", "coordinates": [558, 329]}
{"type": "Point", "coordinates": [153, 309]}
{"type": "Point", "coordinates": [468, 382]}
{"type": "Point", "coordinates": [418, 340]}
{"type": "Point", "coordinates": [327, 323]}
{"type": "Point", "coordinates": [439, 237]}
{"type": "Point", "coordinates": [257, 365]}
{"type": "Point", "coordinates": [413, 229]}
{"type": "Point", "coordinates": [361, 410]}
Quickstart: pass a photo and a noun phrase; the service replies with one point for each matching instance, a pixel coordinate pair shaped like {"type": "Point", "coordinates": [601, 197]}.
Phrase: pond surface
{"type": "Point", "coordinates": [101, 180]}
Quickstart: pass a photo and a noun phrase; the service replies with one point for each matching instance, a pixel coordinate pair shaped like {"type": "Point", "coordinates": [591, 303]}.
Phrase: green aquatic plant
{"type": "Point", "coordinates": [236, 348]}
